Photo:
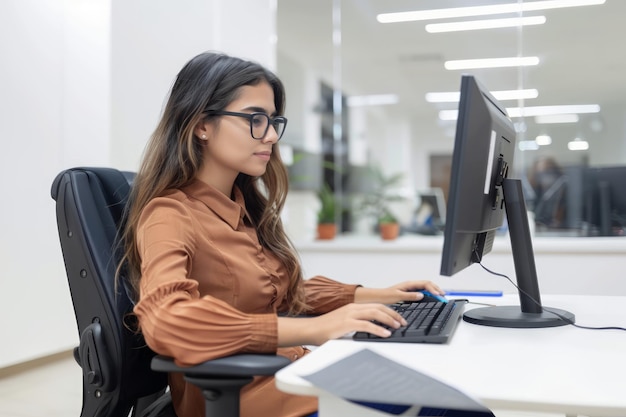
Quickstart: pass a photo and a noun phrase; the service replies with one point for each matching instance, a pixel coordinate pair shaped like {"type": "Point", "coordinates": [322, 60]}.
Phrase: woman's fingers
{"type": "Point", "coordinates": [372, 317]}
{"type": "Point", "coordinates": [372, 328]}
{"type": "Point", "coordinates": [420, 285]}
{"type": "Point", "coordinates": [404, 291]}
{"type": "Point", "coordinates": [389, 317]}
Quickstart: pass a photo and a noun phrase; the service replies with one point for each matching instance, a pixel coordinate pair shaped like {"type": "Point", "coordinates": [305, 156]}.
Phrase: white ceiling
{"type": "Point", "coordinates": [581, 52]}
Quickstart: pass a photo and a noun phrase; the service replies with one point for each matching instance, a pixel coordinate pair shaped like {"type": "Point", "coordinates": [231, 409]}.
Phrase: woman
{"type": "Point", "coordinates": [208, 256]}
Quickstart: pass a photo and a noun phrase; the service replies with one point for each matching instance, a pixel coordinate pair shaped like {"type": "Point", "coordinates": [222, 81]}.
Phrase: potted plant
{"type": "Point", "coordinates": [388, 226]}
{"type": "Point", "coordinates": [326, 215]}
{"type": "Point", "coordinates": [375, 203]}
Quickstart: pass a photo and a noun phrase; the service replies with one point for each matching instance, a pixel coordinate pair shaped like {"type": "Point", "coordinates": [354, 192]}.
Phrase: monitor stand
{"type": "Point", "coordinates": [530, 313]}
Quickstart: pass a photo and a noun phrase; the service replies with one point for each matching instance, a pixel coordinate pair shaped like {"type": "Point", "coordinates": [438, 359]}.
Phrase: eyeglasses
{"type": "Point", "coordinates": [259, 122]}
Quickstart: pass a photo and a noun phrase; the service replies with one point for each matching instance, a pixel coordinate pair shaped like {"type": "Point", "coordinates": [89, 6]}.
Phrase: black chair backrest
{"type": "Point", "coordinates": [115, 360]}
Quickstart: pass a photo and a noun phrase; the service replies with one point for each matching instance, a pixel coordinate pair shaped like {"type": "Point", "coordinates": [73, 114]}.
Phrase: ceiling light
{"type": "Point", "coordinates": [443, 97]}
{"type": "Point", "coordinates": [533, 111]}
{"type": "Point", "coordinates": [516, 61]}
{"type": "Point", "coordinates": [551, 110]}
{"type": "Point", "coordinates": [485, 24]}
{"type": "Point", "coordinates": [372, 100]}
{"type": "Point", "coordinates": [482, 10]}
{"type": "Point", "coordinates": [453, 96]}
{"type": "Point", "coordinates": [541, 140]}
{"type": "Point", "coordinates": [527, 145]}
{"type": "Point", "coordinates": [448, 114]}
{"type": "Point", "coordinates": [515, 94]}
{"type": "Point", "coordinates": [578, 145]}
{"type": "Point", "coordinates": [556, 118]}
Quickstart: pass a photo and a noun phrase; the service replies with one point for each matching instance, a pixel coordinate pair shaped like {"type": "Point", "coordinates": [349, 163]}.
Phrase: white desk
{"type": "Point", "coordinates": [555, 370]}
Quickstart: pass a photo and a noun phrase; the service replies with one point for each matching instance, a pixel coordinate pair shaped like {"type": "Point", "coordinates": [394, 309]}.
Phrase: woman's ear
{"type": "Point", "coordinates": [203, 130]}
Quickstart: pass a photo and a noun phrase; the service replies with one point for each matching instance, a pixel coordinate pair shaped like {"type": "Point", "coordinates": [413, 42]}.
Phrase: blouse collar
{"type": "Point", "coordinates": [229, 210]}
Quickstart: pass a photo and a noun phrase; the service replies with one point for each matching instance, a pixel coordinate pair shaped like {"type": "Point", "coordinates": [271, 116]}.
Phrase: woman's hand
{"type": "Point", "coordinates": [337, 323]}
{"type": "Point", "coordinates": [405, 291]}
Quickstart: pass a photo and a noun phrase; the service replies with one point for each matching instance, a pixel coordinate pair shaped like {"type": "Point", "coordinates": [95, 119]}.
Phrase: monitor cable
{"type": "Point", "coordinates": [568, 321]}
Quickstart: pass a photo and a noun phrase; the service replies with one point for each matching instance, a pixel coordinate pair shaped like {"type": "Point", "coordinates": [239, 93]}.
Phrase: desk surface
{"type": "Point", "coordinates": [427, 244]}
{"type": "Point", "coordinates": [562, 369]}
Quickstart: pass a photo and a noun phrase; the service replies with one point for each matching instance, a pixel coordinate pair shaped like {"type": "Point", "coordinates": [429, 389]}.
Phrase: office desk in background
{"type": "Point", "coordinates": [563, 370]}
{"type": "Point", "coordinates": [564, 265]}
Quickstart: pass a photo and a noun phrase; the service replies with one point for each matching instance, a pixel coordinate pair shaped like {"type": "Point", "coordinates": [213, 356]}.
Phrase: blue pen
{"type": "Point", "coordinates": [474, 293]}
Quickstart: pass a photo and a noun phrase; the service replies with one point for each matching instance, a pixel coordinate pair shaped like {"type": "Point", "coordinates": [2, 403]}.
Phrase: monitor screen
{"type": "Point", "coordinates": [482, 194]}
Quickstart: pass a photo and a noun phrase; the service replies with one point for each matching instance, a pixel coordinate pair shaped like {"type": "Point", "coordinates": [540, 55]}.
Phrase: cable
{"type": "Point", "coordinates": [565, 319]}
{"type": "Point", "coordinates": [481, 304]}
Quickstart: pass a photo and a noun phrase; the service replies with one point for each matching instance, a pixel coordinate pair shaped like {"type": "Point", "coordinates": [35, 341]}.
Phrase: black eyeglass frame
{"type": "Point", "coordinates": [250, 116]}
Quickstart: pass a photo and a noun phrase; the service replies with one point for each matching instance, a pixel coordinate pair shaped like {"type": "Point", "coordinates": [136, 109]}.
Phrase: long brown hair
{"type": "Point", "coordinates": [173, 157]}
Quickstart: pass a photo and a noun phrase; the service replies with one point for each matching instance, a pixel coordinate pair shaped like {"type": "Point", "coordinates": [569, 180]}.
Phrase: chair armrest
{"type": "Point", "coordinates": [222, 379]}
{"type": "Point", "coordinates": [234, 366]}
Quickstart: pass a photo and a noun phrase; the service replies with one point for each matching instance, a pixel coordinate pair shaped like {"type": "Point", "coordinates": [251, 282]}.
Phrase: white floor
{"type": "Point", "coordinates": [54, 390]}
{"type": "Point", "coordinates": [51, 390]}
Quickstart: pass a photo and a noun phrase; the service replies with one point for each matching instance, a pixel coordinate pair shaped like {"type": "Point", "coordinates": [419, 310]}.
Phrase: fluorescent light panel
{"type": "Point", "coordinates": [372, 100]}
{"type": "Point", "coordinates": [516, 61]}
{"type": "Point", "coordinates": [578, 145]}
{"type": "Point", "coordinates": [453, 96]}
{"type": "Point", "coordinates": [485, 24]}
{"type": "Point", "coordinates": [545, 110]}
{"type": "Point", "coordinates": [443, 97]}
{"type": "Point", "coordinates": [541, 140]}
{"type": "Point", "coordinates": [457, 12]}
{"type": "Point", "coordinates": [527, 145]}
{"type": "Point", "coordinates": [556, 118]}
{"type": "Point", "coordinates": [533, 111]}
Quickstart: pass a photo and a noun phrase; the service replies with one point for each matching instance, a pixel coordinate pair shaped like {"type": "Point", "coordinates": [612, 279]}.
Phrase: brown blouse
{"type": "Point", "coordinates": [209, 289]}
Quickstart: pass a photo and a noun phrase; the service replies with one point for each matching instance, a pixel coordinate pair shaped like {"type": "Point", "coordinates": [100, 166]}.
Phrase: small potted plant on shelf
{"type": "Point", "coordinates": [388, 226]}
{"type": "Point", "coordinates": [326, 215]}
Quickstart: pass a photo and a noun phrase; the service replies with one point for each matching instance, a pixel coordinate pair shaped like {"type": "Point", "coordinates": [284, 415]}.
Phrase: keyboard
{"type": "Point", "coordinates": [427, 322]}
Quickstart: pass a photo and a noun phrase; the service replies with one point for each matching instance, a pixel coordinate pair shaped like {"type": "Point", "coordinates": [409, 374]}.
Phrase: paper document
{"type": "Point", "coordinates": [369, 377]}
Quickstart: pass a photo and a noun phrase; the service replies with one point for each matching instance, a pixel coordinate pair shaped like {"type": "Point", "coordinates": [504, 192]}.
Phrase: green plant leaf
{"type": "Point", "coordinates": [328, 209]}
{"type": "Point", "coordinates": [376, 202]}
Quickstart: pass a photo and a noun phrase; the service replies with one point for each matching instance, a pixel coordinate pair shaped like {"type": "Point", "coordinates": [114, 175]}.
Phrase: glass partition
{"type": "Point", "coordinates": [364, 92]}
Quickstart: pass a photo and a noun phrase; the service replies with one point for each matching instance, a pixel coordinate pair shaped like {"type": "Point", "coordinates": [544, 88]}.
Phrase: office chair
{"type": "Point", "coordinates": [121, 375]}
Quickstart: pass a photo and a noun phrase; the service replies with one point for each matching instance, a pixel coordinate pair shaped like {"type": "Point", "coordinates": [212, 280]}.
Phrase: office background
{"type": "Point", "coordinates": [82, 82]}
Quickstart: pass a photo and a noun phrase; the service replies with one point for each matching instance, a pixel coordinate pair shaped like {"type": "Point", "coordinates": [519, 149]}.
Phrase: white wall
{"type": "Point", "coordinates": [151, 40]}
{"type": "Point", "coordinates": [303, 96]}
{"type": "Point", "coordinates": [36, 47]}
{"type": "Point", "coordinates": [303, 133]}
{"type": "Point", "coordinates": [83, 83]}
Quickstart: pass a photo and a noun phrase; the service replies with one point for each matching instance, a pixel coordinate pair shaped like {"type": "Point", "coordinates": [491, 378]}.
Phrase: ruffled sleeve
{"type": "Point", "coordinates": [176, 323]}
{"type": "Point", "coordinates": [324, 294]}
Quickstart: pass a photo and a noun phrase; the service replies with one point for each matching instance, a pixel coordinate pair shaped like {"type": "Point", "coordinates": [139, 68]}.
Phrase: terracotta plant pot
{"type": "Point", "coordinates": [326, 231]}
{"type": "Point", "coordinates": [389, 231]}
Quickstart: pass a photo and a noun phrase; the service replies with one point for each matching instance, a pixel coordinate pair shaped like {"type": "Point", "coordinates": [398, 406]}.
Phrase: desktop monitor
{"type": "Point", "coordinates": [482, 193]}
{"type": "Point", "coordinates": [432, 207]}
{"type": "Point", "coordinates": [605, 204]}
